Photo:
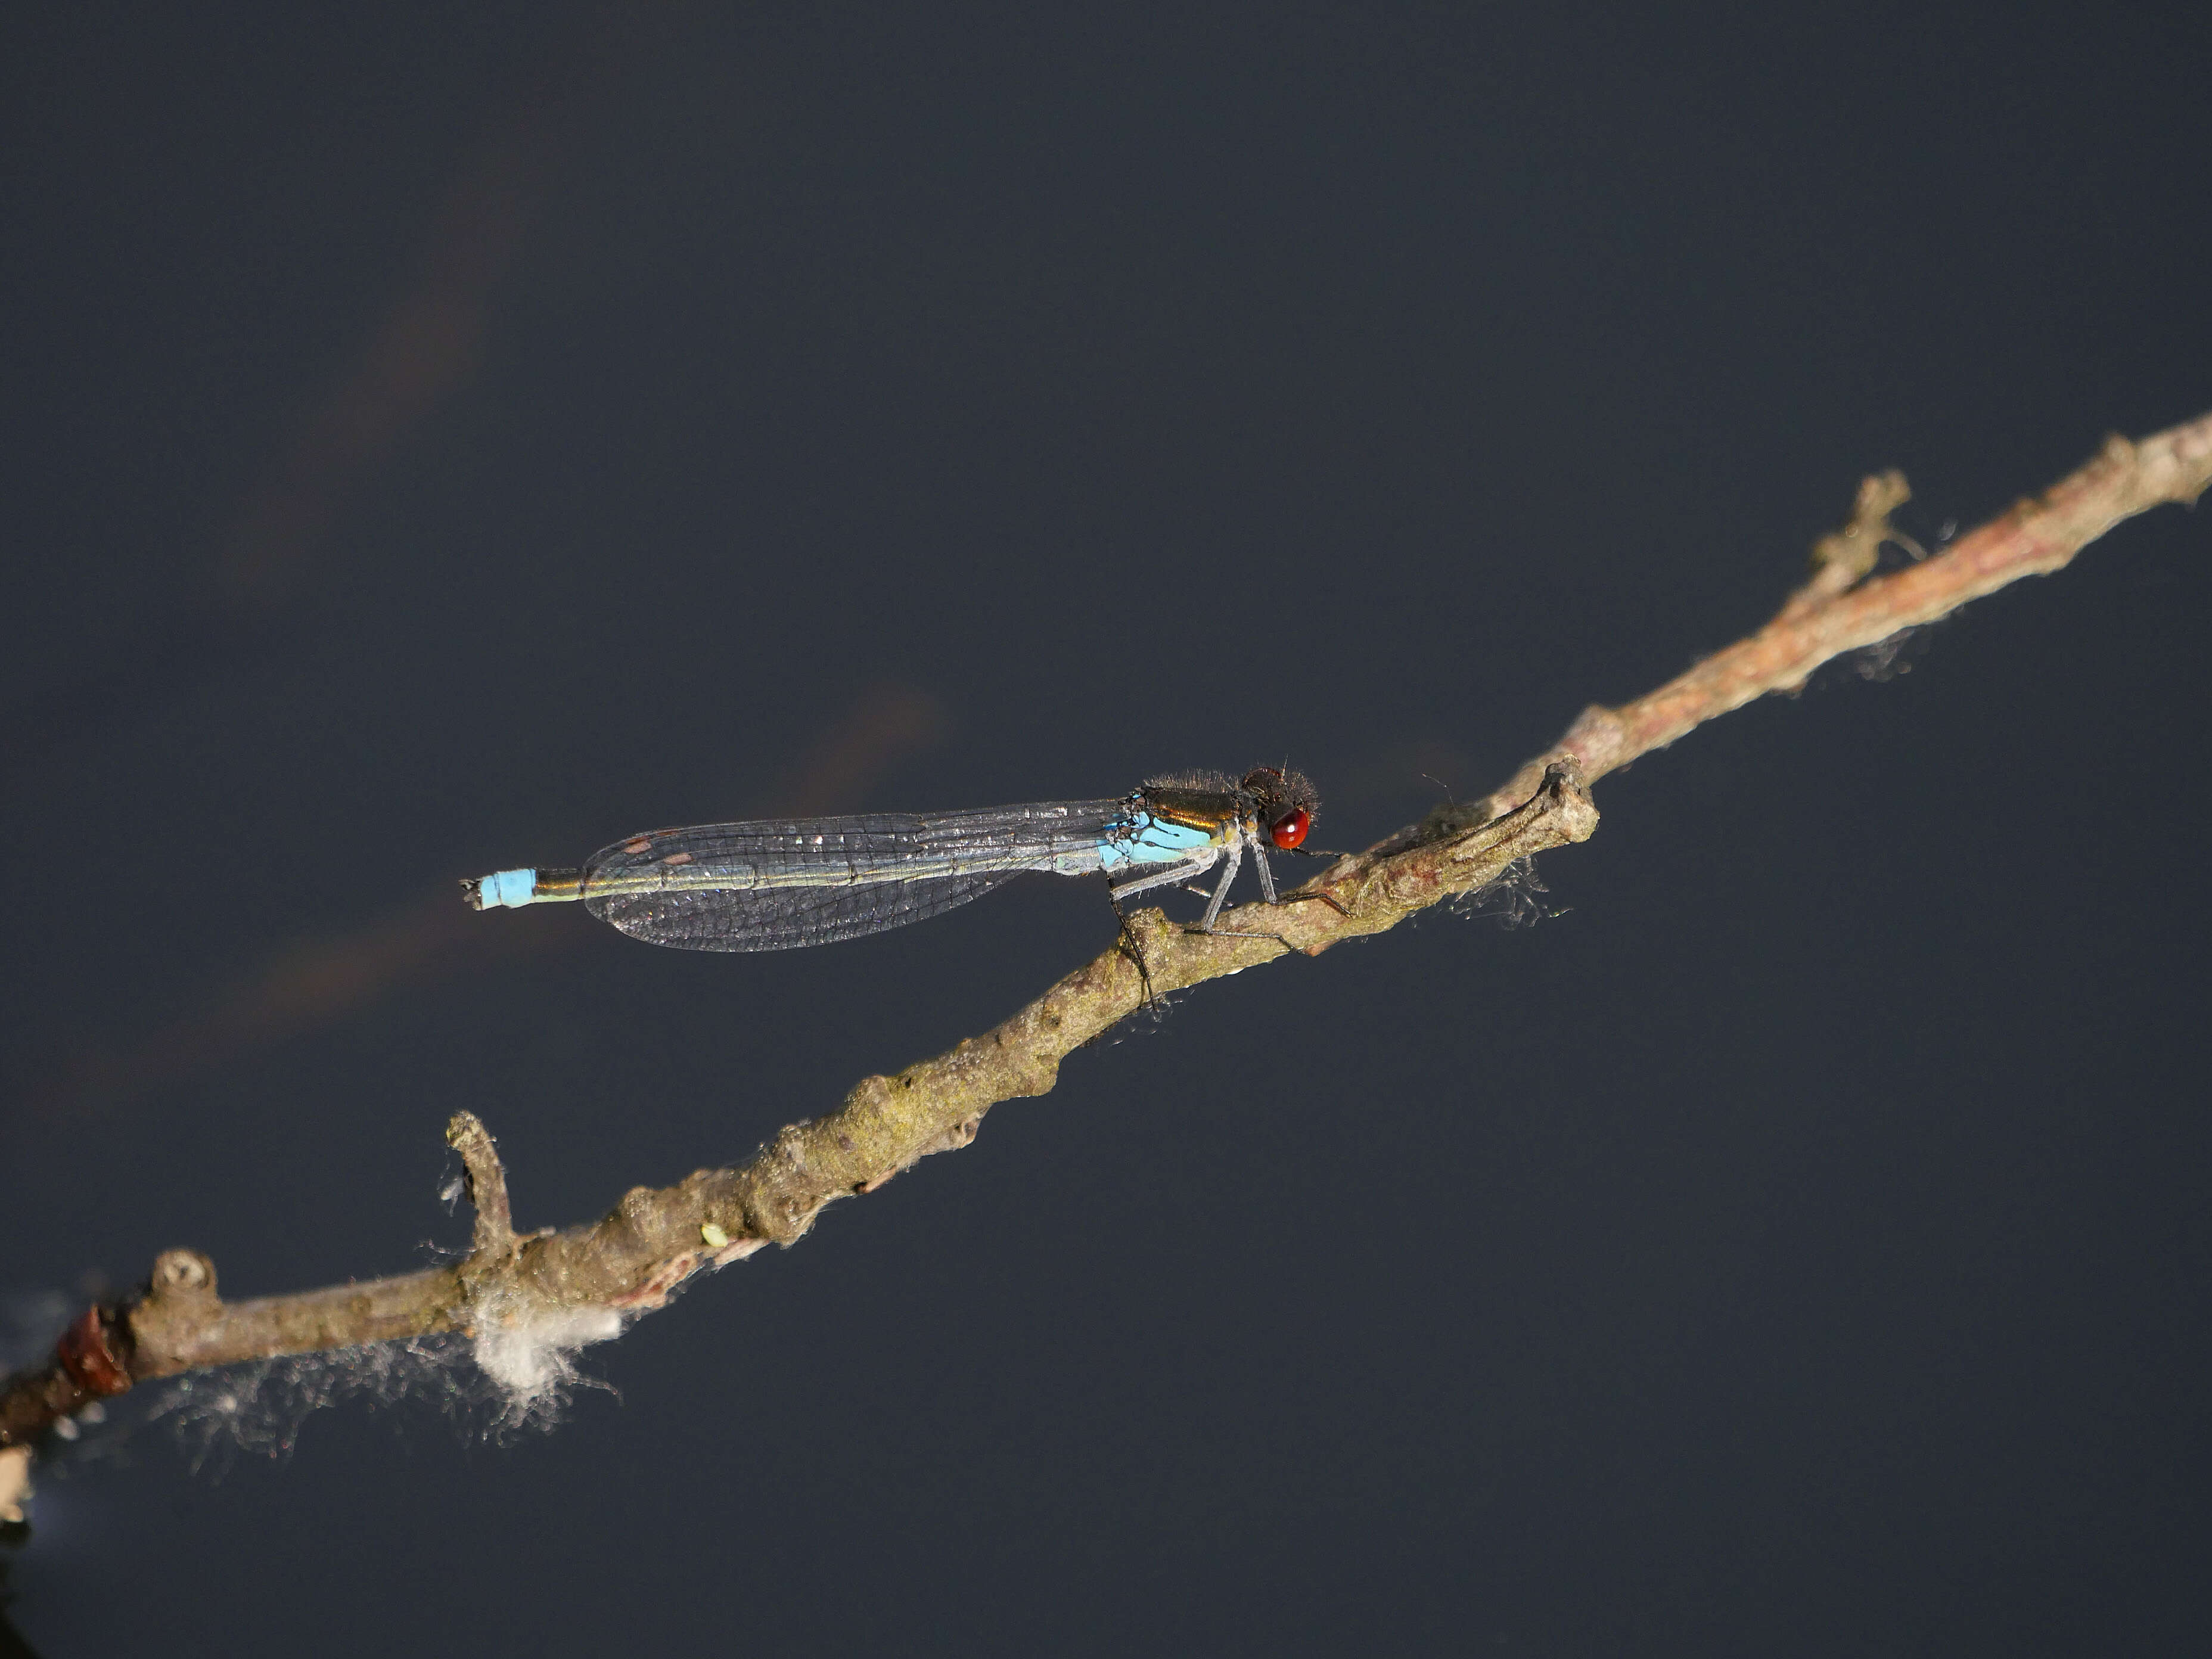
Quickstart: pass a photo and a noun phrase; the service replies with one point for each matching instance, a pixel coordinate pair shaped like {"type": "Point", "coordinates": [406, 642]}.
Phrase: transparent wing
{"type": "Point", "coordinates": [785, 918]}
{"type": "Point", "coordinates": [778, 883]}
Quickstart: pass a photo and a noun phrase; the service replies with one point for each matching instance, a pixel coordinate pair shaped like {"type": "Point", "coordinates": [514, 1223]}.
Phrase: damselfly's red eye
{"type": "Point", "coordinates": [1288, 830]}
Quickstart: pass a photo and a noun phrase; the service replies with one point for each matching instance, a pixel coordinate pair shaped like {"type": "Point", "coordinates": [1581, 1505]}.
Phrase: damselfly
{"type": "Point", "coordinates": [780, 883]}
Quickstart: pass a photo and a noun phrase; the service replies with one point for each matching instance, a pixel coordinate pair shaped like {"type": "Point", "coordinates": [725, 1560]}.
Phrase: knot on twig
{"type": "Point", "coordinates": [1565, 793]}
{"type": "Point", "coordinates": [1559, 812]}
{"type": "Point", "coordinates": [179, 1302]}
{"type": "Point", "coordinates": [1594, 744]}
{"type": "Point", "coordinates": [182, 1278]}
{"type": "Point", "coordinates": [486, 1184]}
{"type": "Point", "coordinates": [1561, 802]}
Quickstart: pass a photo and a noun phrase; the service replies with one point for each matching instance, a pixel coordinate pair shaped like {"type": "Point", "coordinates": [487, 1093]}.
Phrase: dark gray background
{"type": "Point", "coordinates": [440, 439]}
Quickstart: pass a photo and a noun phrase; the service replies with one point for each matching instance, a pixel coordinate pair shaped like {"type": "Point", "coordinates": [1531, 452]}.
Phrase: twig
{"type": "Point", "coordinates": [2037, 536]}
{"type": "Point", "coordinates": [486, 1184]}
{"type": "Point", "coordinates": [633, 1258]}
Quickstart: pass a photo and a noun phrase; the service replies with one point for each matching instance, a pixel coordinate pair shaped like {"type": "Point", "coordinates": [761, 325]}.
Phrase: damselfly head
{"type": "Point", "coordinates": [1285, 803]}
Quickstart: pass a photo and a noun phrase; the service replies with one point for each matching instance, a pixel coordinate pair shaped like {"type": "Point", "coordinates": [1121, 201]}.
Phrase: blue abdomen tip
{"type": "Point", "coordinates": [512, 887]}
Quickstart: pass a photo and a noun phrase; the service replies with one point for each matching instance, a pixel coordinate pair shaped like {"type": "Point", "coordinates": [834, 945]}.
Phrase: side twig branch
{"type": "Point", "coordinates": [486, 1184]}
{"type": "Point", "coordinates": [1838, 611]}
{"type": "Point", "coordinates": [633, 1258]}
